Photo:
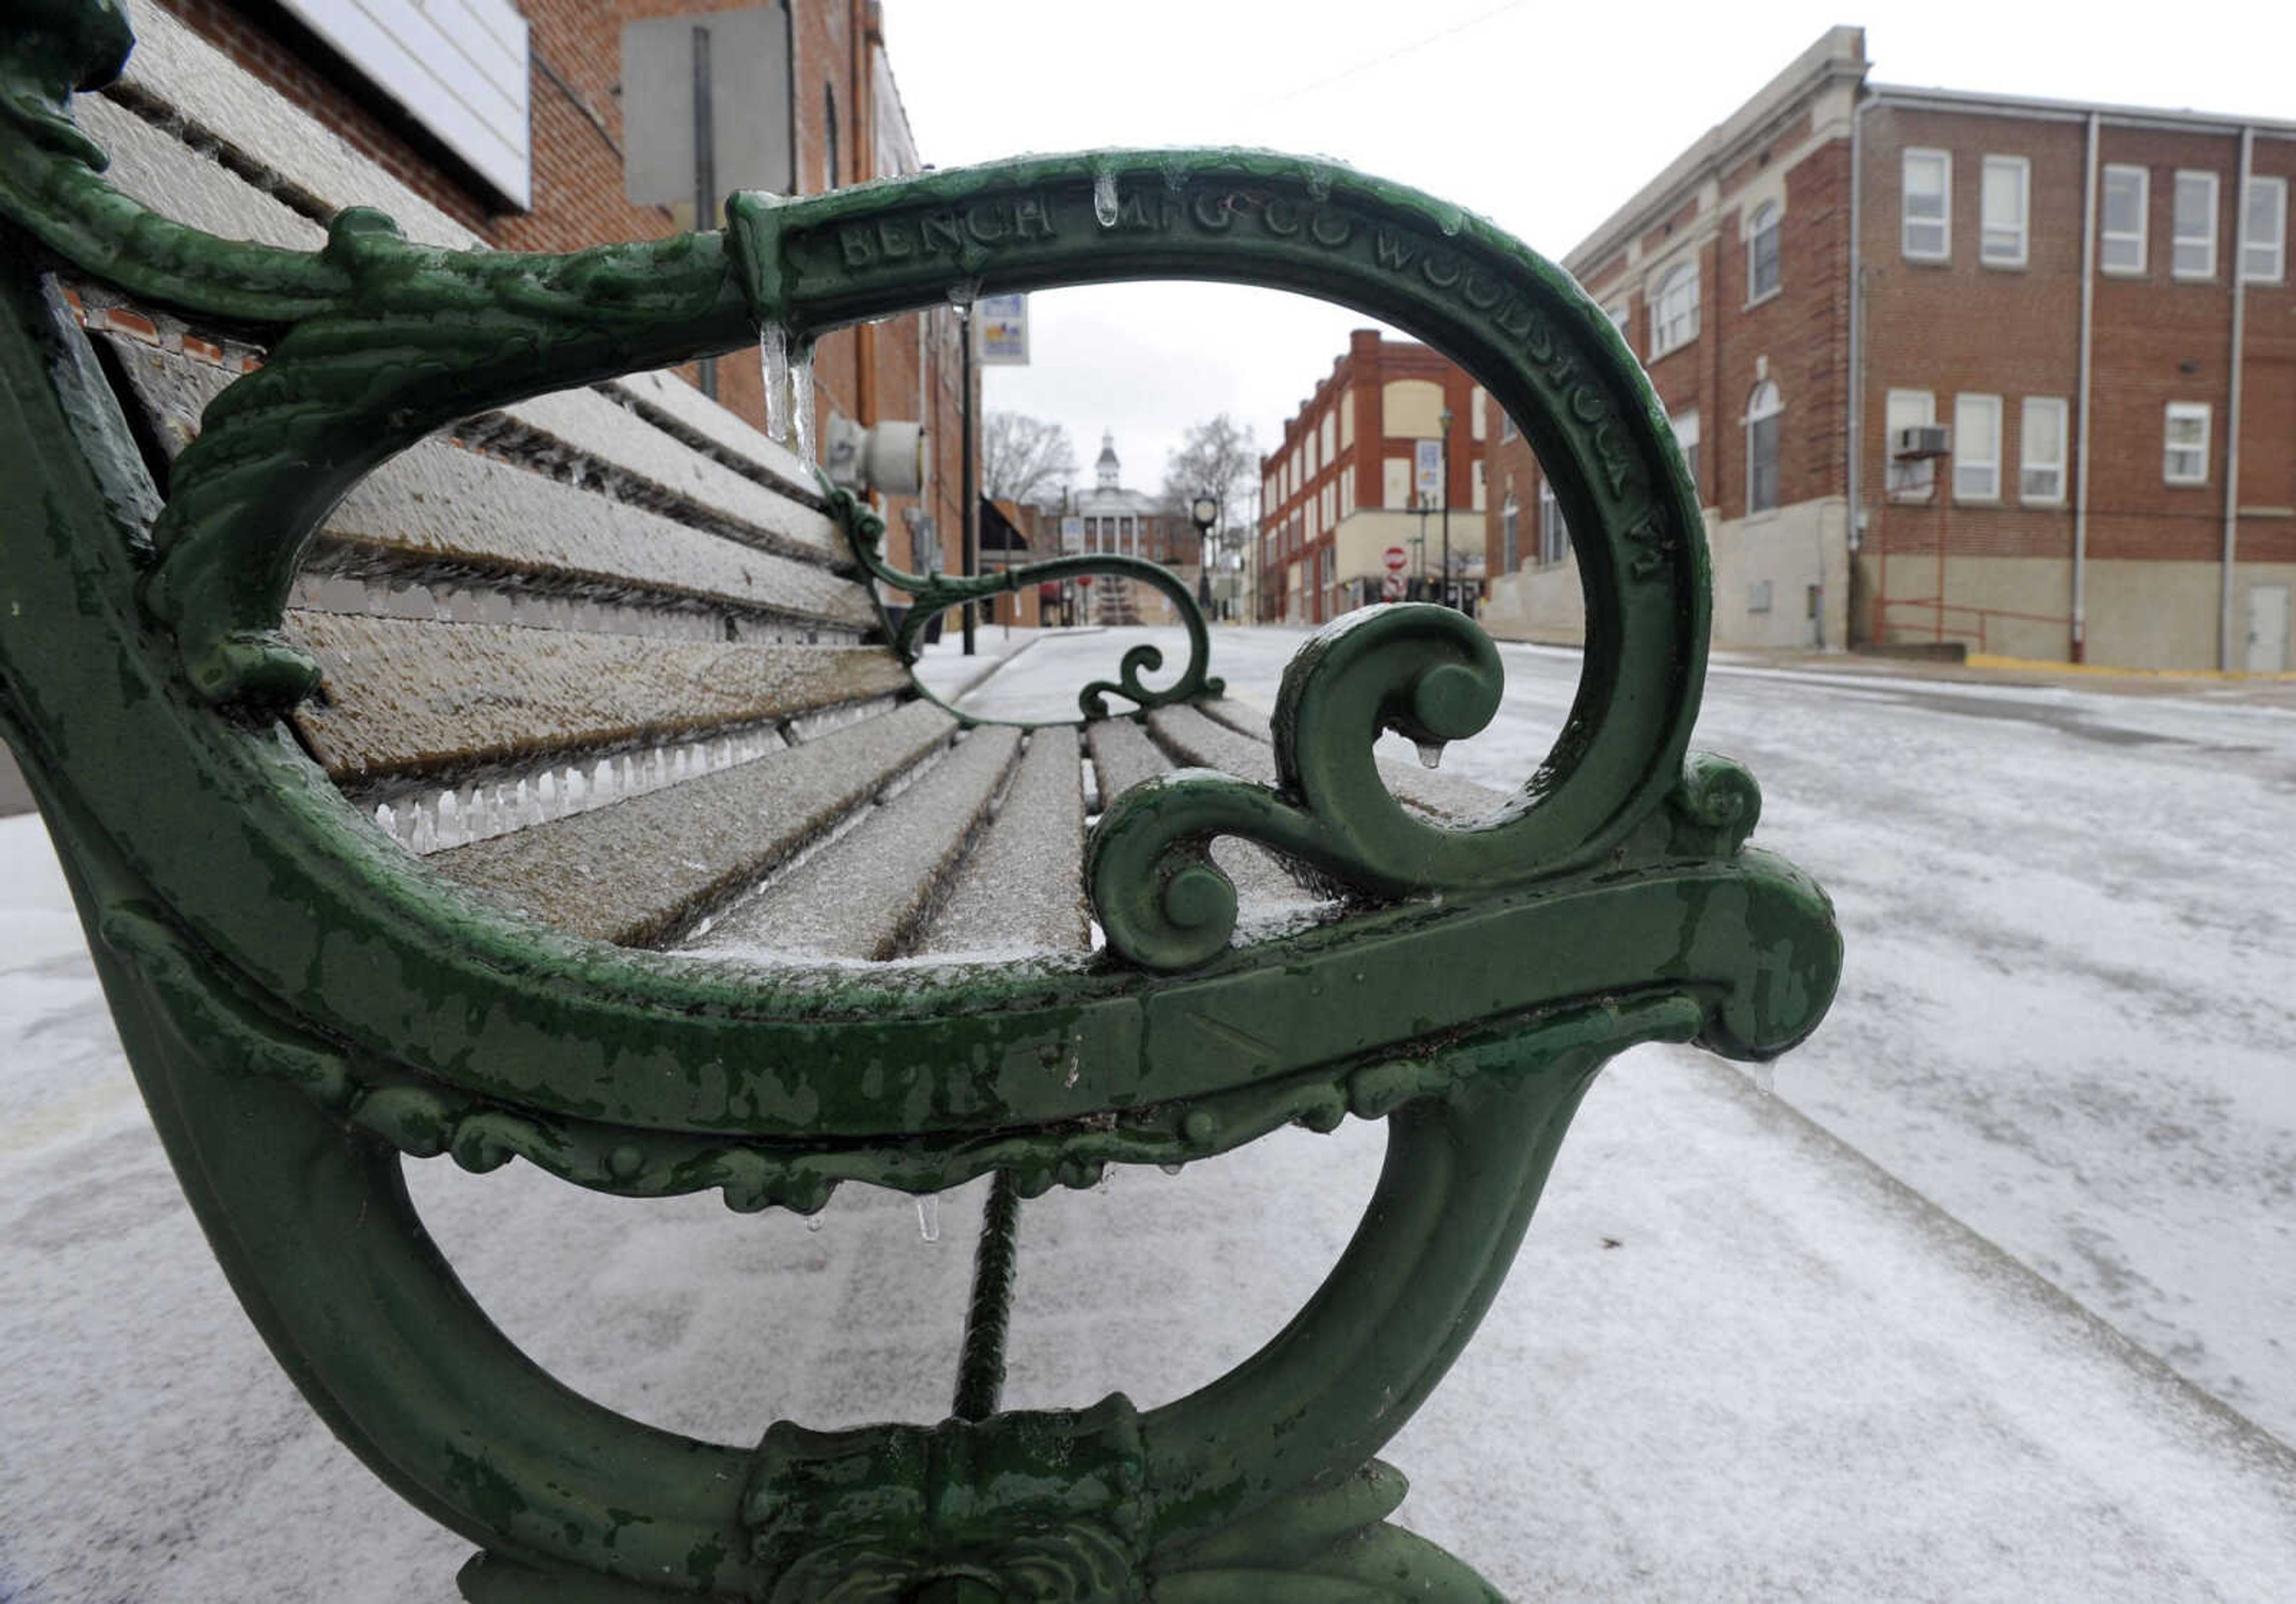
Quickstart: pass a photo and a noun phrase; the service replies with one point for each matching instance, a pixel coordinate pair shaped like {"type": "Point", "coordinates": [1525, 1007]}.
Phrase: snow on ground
{"type": "Point", "coordinates": [1735, 1361]}
{"type": "Point", "coordinates": [2069, 997]}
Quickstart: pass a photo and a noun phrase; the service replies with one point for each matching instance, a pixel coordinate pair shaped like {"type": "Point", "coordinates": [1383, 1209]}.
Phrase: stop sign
{"type": "Point", "coordinates": [1398, 559]}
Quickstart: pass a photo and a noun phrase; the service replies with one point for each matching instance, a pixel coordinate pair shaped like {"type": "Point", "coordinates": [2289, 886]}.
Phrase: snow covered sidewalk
{"type": "Point", "coordinates": [1734, 1360]}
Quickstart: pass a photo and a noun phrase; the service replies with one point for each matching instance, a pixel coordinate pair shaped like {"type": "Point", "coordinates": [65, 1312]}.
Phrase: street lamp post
{"type": "Point", "coordinates": [1446, 421]}
{"type": "Point", "coordinates": [1204, 513]}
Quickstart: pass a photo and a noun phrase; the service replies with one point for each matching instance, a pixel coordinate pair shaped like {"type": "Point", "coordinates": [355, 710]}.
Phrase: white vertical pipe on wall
{"type": "Point", "coordinates": [2232, 400]}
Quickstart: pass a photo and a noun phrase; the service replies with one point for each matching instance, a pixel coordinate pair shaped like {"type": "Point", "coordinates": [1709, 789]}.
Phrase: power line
{"type": "Point", "coordinates": [1385, 57]}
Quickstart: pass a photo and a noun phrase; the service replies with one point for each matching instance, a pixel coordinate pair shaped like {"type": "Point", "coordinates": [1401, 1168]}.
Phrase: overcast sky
{"type": "Point", "coordinates": [1543, 116]}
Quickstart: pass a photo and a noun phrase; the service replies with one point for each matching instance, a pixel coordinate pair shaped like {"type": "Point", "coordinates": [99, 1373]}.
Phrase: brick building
{"type": "Point", "coordinates": [546, 171]}
{"type": "Point", "coordinates": [2092, 302]}
{"type": "Point", "coordinates": [1341, 488]}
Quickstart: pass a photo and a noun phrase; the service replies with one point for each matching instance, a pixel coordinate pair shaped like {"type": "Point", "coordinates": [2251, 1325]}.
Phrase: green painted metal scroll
{"type": "Point", "coordinates": [305, 1004]}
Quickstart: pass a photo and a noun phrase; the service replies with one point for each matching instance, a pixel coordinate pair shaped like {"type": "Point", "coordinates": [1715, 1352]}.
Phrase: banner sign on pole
{"type": "Point", "coordinates": [1429, 476]}
{"type": "Point", "coordinates": [1002, 321]}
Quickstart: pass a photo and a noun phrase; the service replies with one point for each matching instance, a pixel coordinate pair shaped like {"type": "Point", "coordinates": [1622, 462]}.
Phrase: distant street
{"type": "Point", "coordinates": [2068, 1010]}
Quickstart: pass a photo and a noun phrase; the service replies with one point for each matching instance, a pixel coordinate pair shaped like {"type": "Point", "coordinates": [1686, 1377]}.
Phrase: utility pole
{"type": "Point", "coordinates": [705, 171]}
{"type": "Point", "coordinates": [971, 493]}
{"type": "Point", "coordinates": [1446, 420]}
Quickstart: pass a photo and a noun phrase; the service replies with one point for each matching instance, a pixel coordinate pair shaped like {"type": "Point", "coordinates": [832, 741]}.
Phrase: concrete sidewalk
{"type": "Point", "coordinates": [1734, 1361]}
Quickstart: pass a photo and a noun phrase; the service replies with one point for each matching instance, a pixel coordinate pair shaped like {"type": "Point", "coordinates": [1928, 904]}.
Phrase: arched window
{"type": "Point", "coordinates": [1762, 252]}
{"type": "Point", "coordinates": [1762, 447]}
{"type": "Point", "coordinates": [1511, 525]}
{"type": "Point", "coordinates": [1674, 310]}
{"type": "Point", "coordinates": [829, 174]}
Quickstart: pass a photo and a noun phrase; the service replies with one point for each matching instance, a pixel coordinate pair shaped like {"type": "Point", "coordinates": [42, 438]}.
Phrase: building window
{"type": "Point", "coordinates": [1554, 534]}
{"type": "Point", "coordinates": [1673, 311]}
{"type": "Point", "coordinates": [2120, 241]}
{"type": "Point", "coordinates": [1511, 533]}
{"type": "Point", "coordinates": [1347, 492]}
{"type": "Point", "coordinates": [2192, 254]}
{"type": "Point", "coordinates": [1762, 253]}
{"type": "Point", "coordinates": [1478, 420]}
{"type": "Point", "coordinates": [1925, 229]}
{"type": "Point", "coordinates": [2263, 232]}
{"type": "Point", "coordinates": [1395, 482]}
{"type": "Point", "coordinates": [1617, 312]}
{"type": "Point", "coordinates": [1913, 480]}
{"type": "Point", "coordinates": [1762, 448]}
{"type": "Point", "coordinates": [1482, 494]}
{"type": "Point", "coordinates": [2184, 454]}
{"type": "Point", "coordinates": [1977, 448]}
{"type": "Point", "coordinates": [1331, 434]}
{"type": "Point", "coordinates": [1506, 427]}
{"type": "Point", "coordinates": [2004, 211]}
{"type": "Point", "coordinates": [2041, 450]}
{"type": "Point", "coordinates": [1686, 436]}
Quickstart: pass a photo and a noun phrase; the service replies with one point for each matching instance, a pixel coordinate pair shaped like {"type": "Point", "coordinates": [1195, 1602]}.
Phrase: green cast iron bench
{"type": "Point", "coordinates": [463, 740]}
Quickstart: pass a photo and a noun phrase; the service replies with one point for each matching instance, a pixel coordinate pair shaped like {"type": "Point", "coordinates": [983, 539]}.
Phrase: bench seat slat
{"type": "Point", "coordinates": [440, 504]}
{"type": "Point", "coordinates": [402, 696]}
{"type": "Point", "coordinates": [1227, 734]}
{"type": "Point", "coordinates": [865, 894]}
{"type": "Point", "coordinates": [1021, 887]}
{"type": "Point", "coordinates": [642, 870]}
{"type": "Point", "coordinates": [1124, 755]}
{"type": "Point", "coordinates": [724, 430]}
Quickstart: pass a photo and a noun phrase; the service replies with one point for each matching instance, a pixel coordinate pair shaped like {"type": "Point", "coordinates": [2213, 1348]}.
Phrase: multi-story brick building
{"type": "Point", "coordinates": [1341, 487]}
{"type": "Point", "coordinates": [544, 170]}
{"type": "Point", "coordinates": [2094, 304]}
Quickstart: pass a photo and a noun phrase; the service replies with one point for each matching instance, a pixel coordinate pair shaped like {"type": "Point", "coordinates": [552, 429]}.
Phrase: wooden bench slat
{"type": "Point", "coordinates": [156, 167]}
{"type": "Point", "coordinates": [1021, 887]}
{"type": "Point", "coordinates": [1239, 734]}
{"type": "Point", "coordinates": [865, 894]}
{"type": "Point", "coordinates": [441, 504]}
{"type": "Point", "coordinates": [174, 67]}
{"type": "Point", "coordinates": [402, 696]}
{"type": "Point", "coordinates": [726, 431]}
{"type": "Point", "coordinates": [641, 871]}
{"type": "Point", "coordinates": [1124, 755]}
{"type": "Point", "coordinates": [584, 423]}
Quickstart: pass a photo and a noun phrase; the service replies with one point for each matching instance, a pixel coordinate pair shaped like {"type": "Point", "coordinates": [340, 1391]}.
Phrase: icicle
{"type": "Point", "coordinates": [929, 1216]}
{"type": "Point", "coordinates": [1171, 1169]}
{"type": "Point", "coordinates": [801, 403]}
{"type": "Point", "coordinates": [773, 351]}
{"type": "Point", "coordinates": [1764, 1077]}
{"type": "Point", "coordinates": [812, 1223]}
{"type": "Point", "coordinates": [1104, 198]}
{"type": "Point", "coordinates": [1431, 753]}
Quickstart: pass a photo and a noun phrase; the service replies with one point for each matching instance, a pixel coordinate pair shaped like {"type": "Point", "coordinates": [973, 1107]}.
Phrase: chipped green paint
{"type": "Point", "coordinates": [304, 1004]}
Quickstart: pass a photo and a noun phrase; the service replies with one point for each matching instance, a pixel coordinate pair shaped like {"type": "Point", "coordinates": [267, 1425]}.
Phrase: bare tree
{"type": "Point", "coordinates": [1024, 459]}
{"type": "Point", "coordinates": [1217, 457]}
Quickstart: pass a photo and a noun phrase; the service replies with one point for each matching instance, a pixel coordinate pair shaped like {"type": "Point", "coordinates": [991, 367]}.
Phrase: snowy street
{"type": "Point", "coordinates": [1736, 1360]}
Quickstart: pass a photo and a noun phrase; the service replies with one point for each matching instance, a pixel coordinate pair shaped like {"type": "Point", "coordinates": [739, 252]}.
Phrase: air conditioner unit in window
{"type": "Point", "coordinates": [1921, 442]}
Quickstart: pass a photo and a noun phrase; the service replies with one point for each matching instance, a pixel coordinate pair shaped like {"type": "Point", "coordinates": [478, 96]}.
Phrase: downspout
{"type": "Point", "coordinates": [2080, 464]}
{"type": "Point", "coordinates": [2232, 408]}
{"type": "Point", "coordinates": [1856, 533]}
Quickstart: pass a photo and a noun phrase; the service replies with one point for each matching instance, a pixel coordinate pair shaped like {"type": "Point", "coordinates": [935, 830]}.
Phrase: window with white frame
{"type": "Point", "coordinates": [1511, 533]}
{"type": "Point", "coordinates": [1554, 534]}
{"type": "Point", "coordinates": [1310, 463]}
{"type": "Point", "coordinates": [2041, 450]}
{"type": "Point", "coordinates": [1674, 310]}
{"type": "Point", "coordinates": [1346, 419]}
{"type": "Point", "coordinates": [1347, 494]}
{"type": "Point", "coordinates": [1762, 252]}
{"type": "Point", "coordinates": [1331, 434]}
{"type": "Point", "coordinates": [1395, 482]}
{"type": "Point", "coordinates": [1762, 410]}
{"type": "Point", "coordinates": [2120, 219]}
{"type": "Point", "coordinates": [1313, 526]}
{"type": "Point", "coordinates": [2263, 232]}
{"type": "Point", "coordinates": [2004, 211]}
{"type": "Point", "coordinates": [1482, 492]}
{"type": "Point", "coordinates": [1478, 420]}
{"type": "Point", "coordinates": [1686, 436]}
{"type": "Point", "coordinates": [1977, 448]}
{"type": "Point", "coordinates": [2184, 445]}
{"type": "Point", "coordinates": [1913, 480]}
{"type": "Point", "coordinates": [1507, 431]}
{"type": "Point", "coordinates": [1925, 217]}
{"type": "Point", "coordinates": [1617, 312]}
{"type": "Point", "coordinates": [2193, 249]}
